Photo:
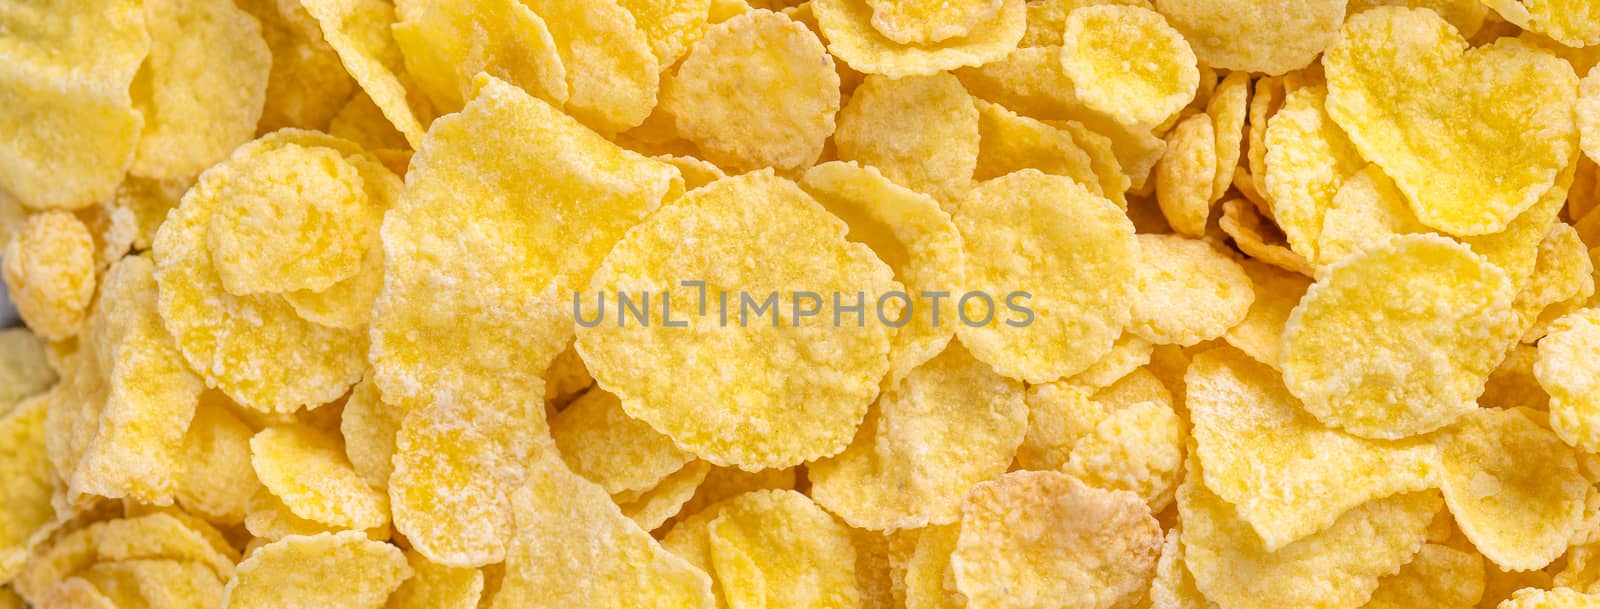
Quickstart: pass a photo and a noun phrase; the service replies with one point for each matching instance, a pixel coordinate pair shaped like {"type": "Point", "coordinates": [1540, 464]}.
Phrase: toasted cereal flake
{"type": "Point", "coordinates": [920, 131]}
{"type": "Point", "coordinates": [928, 580]}
{"type": "Point", "coordinates": [724, 482]}
{"type": "Point", "coordinates": [1439, 577]}
{"type": "Point", "coordinates": [602, 443]}
{"type": "Point", "coordinates": [778, 549]}
{"type": "Point", "coordinates": [1031, 538]}
{"type": "Point", "coordinates": [1307, 159]}
{"type": "Point", "coordinates": [307, 84]}
{"type": "Point", "coordinates": [446, 44]}
{"type": "Point", "coordinates": [848, 26]}
{"type": "Point", "coordinates": [1129, 353]}
{"type": "Point", "coordinates": [611, 70]}
{"type": "Point", "coordinates": [308, 471]}
{"type": "Point", "coordinates": [327, 570]}
{"type": "Point", "coordinates": [1466, 15]}
{"type": "Point", "coordinates": [1009, 142]}
{"type": "Point", "coordinates": [49, 270]}
{"type": "Point", "coordinates": [1365, 212]}
{"type": "Point", "coordinates": [1060, 414]}
{"type": "Point", "coordinates": [1137, 449]}
{"type": "Point", "coordinates": [25, 498]}
{"type": "Point", "coordinates": [1079, 269]}
{"type": "Point", "coordinates": [1286, 474]}
{"type": "Point", "coordinates": [759, 90]}
{"type": "Point", "coordinates": [434, 586]}
{"type": "Point", "coordinates": [1188, 291]}
{"type": "Point", "coordinates": [368, 426]}
{"type": "Point", "coordinates": [1562, 282]}
{"type": "Point", "coordinates": [1513, 487]}
{"type": "Point", "coordinates": [672, 26]}
{"type": "Point", "coordinates": [1184, 176]}
{"type": "Point", "coordinates": [1568, 368]}
{"type": "Point", "coordinates": [1173, 587]}
{"type": "Point", "coordinates": [1382, 357]}
{"type": "Point", "coordinates": [1277, 293]}
{"type": "Point", "coordinates": [922, 22]}
{"type": "Point", "coordinates": [217, 478]}
{"type": "Point", "coordinates": [795, 390]}
{"type": "Point", "coordinates": [360, 32]}
{"type": "Point", "coordinates": [1575, 23]}
{"type": "Point", "coordinates": [1127, 62]}
{"type": "Point", "coordinates": [1228, 107]}
{"type": "Point", "coordinates": [1272, 36]}
{"type": "Point", "coordinates": [948, 425]}
{"type": "Point", "coordinates": [653, 507]}
{"type": "Point", "coordinates": [1440, 118]}
{"type": "Point", "coordinates": [1258, 237]}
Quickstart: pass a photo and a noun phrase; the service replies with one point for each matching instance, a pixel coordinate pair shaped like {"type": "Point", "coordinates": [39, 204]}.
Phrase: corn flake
{"type": "Point", "coordinates": [217, 478]}
{"type": "Point", "coordinates": [360, 32]}
{"type": "Point", "coordinates": [446, 44]}
{"type": "Point", "coordinates": [777, 549]}
{"type": "Point", "coordinates": [612, 72]}
{"type": "Point", "coordinates": [1567, 365]}
{"type": "Point", "coordinates": [1009, 142]}
{"type": "Point", "coordinates": [1185, 174]}
{"type": "Point", "coordinates": [1307, 159]}
{"type": "Point", "coordinates": [1126, 61]}
{"type": "Point", "coordinates": [922, 132]}
{"type": "Point", "coordinates": [323, 571]}
{"type": "Point", "coordinates": [849, 27]}
{"type": "Point", "coordinates": [602, 443]}
{"type": "Point", "coordinates": [25, 498]}
{"type": "Point", "coordinates": [49, 270]}
{"type": "Point", "coordinates": [1274, 37]}
{"type": "Point", "coordinates": [1188, 291]}
{"type": "Point", "coordinates": [308, 471]}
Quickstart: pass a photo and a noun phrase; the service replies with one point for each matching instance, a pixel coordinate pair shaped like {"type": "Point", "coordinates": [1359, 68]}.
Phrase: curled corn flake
{"type": "Point", "coordinates": [1513, 487]}
{"type": "Point", "coordinates": [759, 90]}
{"type": "Point", "coordinates": [1228, 107]}
{"type": "Point", "coordinates": [803, 384]}
{"type": "Point", "coordinates": [1127, 62]}
{"type": "Point", "coordinates": [1028, 538]}
{"type": "Point", "coordinates": [1286, 474]}
{"type": "Point", "coordinates": [1259, 238]}
{"type": "Point", "coordinates": [920, 131]}
{"type": "Point", "coordinates": [1185, 174]}
{"type": "Point", "coordinates": [848, 26]}
{"type": "Point", "coordinates": [673, 27]}
{"type": "Point", "coordinates": [1568, 368]}
{"type": "Point", "coordinates": [1188, 291]}
{"type": "Point", "coordinates": [202, 89]}
{"type": "Point", "coordinates": [928, 580]}
{"type": "Point", "coordinates": [307, 470]}
{"type": "Point", "coordinates": [49, 269]}
{"type": "Point", "coordinates": [1173, 587]}
{"type": "Point", "coordinates": [446, 44]}
{"type": "Point", "coordinates": [1277, 293]}
{"type": "Point", "coordinates": [326, 570]}
{"type": "Point", "coordinates": [1398, 76]}
{"type": "Point", "coordinates": [652, 508]}
{"type": "Point", "coordinates": [951, 423]}
{"type": "Point", "coordinates": [920, 22]}
{"type": "Point", "coordinates": [611, 70]}
{"type": "Point", "coordinates": [779, 549]}
{"type": "Point", "coordinates": [1138, 449]}
{"type": "Point", "coordinates": [1009, 142]}
{"type": "Point", "coordinates": [307, 84]}
{"type": "Point", "coordinates": [1307, 159]}
{"type": "Point", "coordinates": [1367, 210]}
{"type": "Point", "coordinates": [1274, 36]}
{"type": "Point", "coordinates": [359, 31]}
{"type": "Point", "coordinates": [1383, 358]}
{"type": "Point", "coordinates": [724, 482]}
{"type": "Point", "coordinates": [1338, 567]}
{"type": "Point", "coordinates": [1562, 282]}
{"type": "Point", "coordinates": [1129, 353]}
{"type": "Point", "coordinates": [217, 478]}
{"type": "Point", "coordinates": [369, 425]}
{"type": "Point", "coordinates": [572, 547]}
{"type": "Point", "coordinates": [1081, 282]}
{"type": "Point", "coordinates": [620, 453]}
{"type": "Point", "coordinates": [910, 233]}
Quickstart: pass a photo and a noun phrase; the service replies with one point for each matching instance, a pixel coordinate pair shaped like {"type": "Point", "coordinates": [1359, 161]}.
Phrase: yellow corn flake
{"type": "Point", "coordinates": [1029, 538]}
{"type": "Point", "coordinates": [74, 593]}
{"type": "Point", "coordinates": [1127, 62]}
{"type": "Point", "coordinates": [24, 368]}
{"type": "Point", "coordinates": [434, 586]}
{"type": "Point", "coordinates": [724, 482]}
{"type": "Point", "coordinates": [1568, 368]}
{"type": "Point", "coordinates": [759, 90]}
{"type": "Point", "coordinates": [1184, 176]}
{"type": "Point", "coordinates": [602, 443]}
{"type": "Point", "coordinates": [1173, 587]}
{"type": "Point", "coordinates": [1129, 353]}
{"type": "Point", "coordinates": [799, 391]}
{"type": "Point", "coordinates": [1338, 567]}
{"type": "Point", "coordinates": [362, 122]}
{"type": "Point", "coordinates": [779, 549]}
{"type": "Point", "coordinates": [1081, 282]}
{"type": "Point", "coordinates": [155, 583]}
{"type": "Point", "coordinates": [49, 269]}
{"type": "Point", "coordinates": [950, 424]}
{"type": "Point", "coordinates": [202, 89]}
{"type": "Point", "coordinates": [1562, 282]}
{"type": "Point", "coordinates": [173, 535]}
{"type": "Point", "coordinates": [25, 498]}
{"type": "Point", "coordinates": [923, 22]}
{"type": "Point", "coordinates": [1009, 142]}
{"type": "Point", "coordinates": [910, 233]}
{"type": "Point", "coordinates": [1513, 384]}
{"type": "Point", "coordinates": [654, 507]}
{"type": "Point", "coordinates": [359, 31]}
{"type": "Point", "coordinates": [1513, 487]}
{"type": "Point", "coordinates": [922, 132]}
{"type": "Point", "coordinates": [928, 581]}
{"type": "Point", "coordinates": [1143, 385]}
{"type": "Point", "coordinates": [1574, 23]}
{"type": "Point", "coordinates": [1059, 415]}
{"type": "Point", "coordinates": [849, 27]}
{"type": "Point", "coordinates": [696, 172]}
{"type": "Point", "coordinates": [572, 547]}
{"type": "Point", "coordinates": [1382, 357]}
{"type": "Point", "coordinates": [1307, 159]}
{"type": "Point", "coordinates": [1228, 107]}
{"type": "Point", "coordinates": [309, 472]}
{"type": "Point", "coordinates": [1466, 15]}
{"type": "Point", "coordinates": [1286, 474]}
{"type": "Point", "coordinates": [1188, 291]}
{"type": "Point", "coordinates": [267, 519]}
{"type": "Point", "coordinates": [1103, 160]}
{"type": "Point", "coordinates": [1137, 449]}
{"type": "Point", "coordinates": [1277, 293]}
{"type": "Point", "coordinates": [1559, 598]}
{"type": "Point", "coordinates": [1366, 211]}
{"type": "Point", "coordinates": [1439, 577]}
{"type": "Point", "coordinates": [323, 571]}
{"type": "Point", "coordinates": [1589, 114]}
{"type": "Point", "coordinates": [1259, 238]}
{"type": "Point", "coordinates": [446, 44]}
{"type": "Point", "coordinates": [368, 426]}
{"type": "Point", "coordinates": [1516, 249]}
{"type": "Point", "coordinates": [70, 127]}
{"type": "Point", "coordinates": [1265, 101]}
{"type": "Point", "coordinates": [611, 70]}
{"type": "Point", "coordinates": [672, 27]}
{"type": "Point", "coordinates": [453, 476]}
{"type": "Point", "coordinates": [307, 84]}
{"type": "Point", "coordinates": [217, 478]}
{"type": "Point", "coordinates": [1274, 37]}
{"type": "Point", "coordinates": [1399, 76]}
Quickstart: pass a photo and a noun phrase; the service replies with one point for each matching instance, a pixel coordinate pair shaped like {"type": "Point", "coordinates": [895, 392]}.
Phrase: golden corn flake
{"type": "Point", "coordinates": [25, 498]}
{"type": "Point", "coordinates": [1188, 291]}
{"type": "Point", "coordinates": [921, 22]}
{"type": "Point", "coordinates": [1032, 538]}
{"type": "Point", "coordinates": [759, 90]}
{"type": "Point", "coordinates": [1278, 292]}
{"type": "Point", "coordinates": [446, 44]}
{"type": "Point", "coordinates": [360, 32]}
{"type": "Point", "coordinates": [1185, 174]}
{"type": "Point", "coordinates": [920, 131]}
{"type": "Point", "coordinates": [1228, 107]}
{"type": "Point", "coordinates": [696, 172]}
{"type": "Point", "coordinates": [1138, 448]}
{"type": "Point", "coordinates": [724, 482]}
{"type": "Point", "coordinates": [1559, 598]}
{"type": "Point", "coordinates": [1513, 487]}
{"type": "Point", "coordinates": [612, 72]}
{"type": "Point", "coordinates": [172, 535]}
{"type": "Point", "coordinates": [1259, 238]}
{"type": "Point", "coordinates": [1059, 415]}
{"type": "Point", "coordinates": [1129, 353]}
{"type": "Point", "coordinates": [1439, 577]}
{"type": "Point", "coordinates": [1589, 114]}
{"type": "Point", "coordinates": [434, 586]}
{"type": "Point", "coordinates": [1286, 474]}
{"type": "Point", "coordinates": [1009, 142]}
{"type": "Point", "coordinates": [323, 571]}
{"type": "Point", "coordinates": [1338, 567]}
{"type": "Point", "coordinates": [1274, 37]}
{"type": "Point", "coordinates": [672, 27]}
{"type": "Point", "coordinates": [1366, 211]}
{"type": "Point", "coordinates": [1079, 273]}
{"type": "Point", "coordinates": [368, 426]}
{"type": "Point", "coordinates": [1173, 587]}
{"type": "Point", "coordinates": [602, 443]}
{"type": "Point", "coordinates": [1574, 23]}
{"type": "Point", "coordinates": [1127, 62]}
{"type": "Point", "coordinates": [217, 478]}
{"type": "Point", "coordinates": [453, 477]}
{"type": "Point", "coordinates": [1568, 367]}
{"type": "Point", "coordinates": [852, 36]}
{"type": "Point", "coordinates": [654, 507]}
{"type": "Point", "coordinates": [24, 369]}
{"type": "Point", "coordinates": [1562, 282]}
{"type": "Point", "coordinates": [1513, 384]}
{"type": "Point", "coordinates": [572, 547]}
{"type": "Point", "coordinates": [950, 424]}
{"type": "Point", "coordinates": [928, 580]}
{"type": "Point", "coordinates": [795, 390]}
{"type": "Point", "coordinates": [309, 472]}
{"type": "Point", "coordinates": [49, 272]}
{"type": "Point", "coordinates": [1382, 357]}
{"type": "Point", "coordinates": [1399, 78]}
{"type": "Point", "coordinates": [910, 233]}
{"type": "Point", "coordinates": [1307, 159]}
{"type": "Point", "coordinates": [307, 84]}
{"type": "Point", "coordinates": [202, 89]}
{"type": "Point", "coordinates": [778, 549]}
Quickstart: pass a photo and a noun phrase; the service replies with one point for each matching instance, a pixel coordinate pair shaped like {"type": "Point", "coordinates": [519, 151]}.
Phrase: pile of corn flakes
{"type": "Point", "coordinates": [740, 304]}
